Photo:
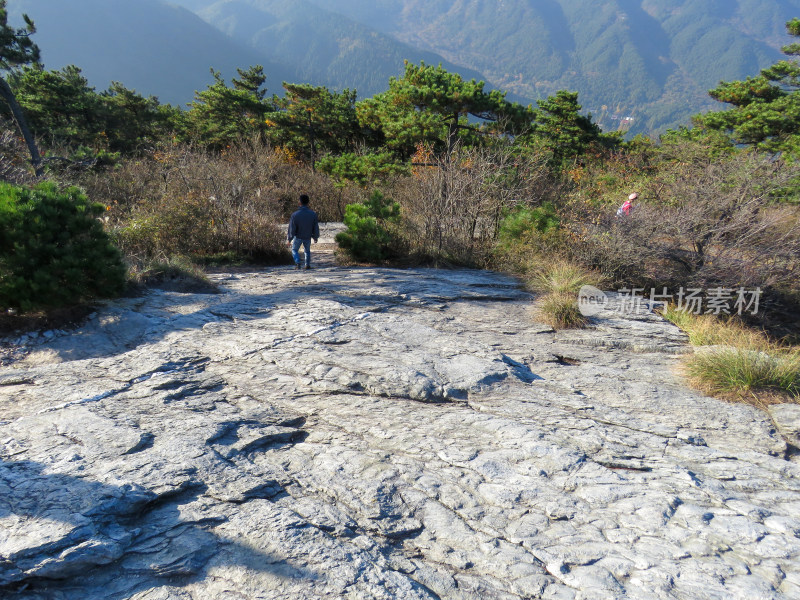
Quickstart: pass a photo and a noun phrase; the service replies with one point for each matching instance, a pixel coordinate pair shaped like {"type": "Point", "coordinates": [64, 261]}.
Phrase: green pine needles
{"type": "Point", "coordinates": [368, 236]}
{"type": "Point", "coordinates": [53, 250]}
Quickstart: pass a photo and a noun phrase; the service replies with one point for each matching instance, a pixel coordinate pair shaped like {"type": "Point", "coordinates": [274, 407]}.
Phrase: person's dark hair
{"type": "Point", "coordinates": [304, 200]}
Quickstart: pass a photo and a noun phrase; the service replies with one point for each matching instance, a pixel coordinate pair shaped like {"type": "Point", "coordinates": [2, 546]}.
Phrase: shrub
{"type": "Point", "coordinates": [14, 157]}
{"type": "Point", "coordinates": [53, 250]}
{"type": "Point", "coordinates": [368, 236]}
{"type": "Point", "coordinates": [739, 362]}
{"type": "Point", "coordinates": [183, 201]}
{"type": "Point", "coordinates": [560, 311]}
{"type": "Point", "coordinates": [745, 372]}
{"type": "Point", "coordinates": [453, 206]}
{"type": "Point", "coordinates": [524, 219]}
{"type": "Point", "coordinates": [174, 225]}
{"type": "Point", "coordinates": [560, 283]}
{"type": "Point", "coordinates": [703, 224]}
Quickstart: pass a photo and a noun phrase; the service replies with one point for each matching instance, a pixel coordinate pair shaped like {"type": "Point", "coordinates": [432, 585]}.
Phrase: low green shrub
{"type": "Point", "coordinates": [368, 236]}
{"type": "Point", "coordinates": [53, 249]}
{"type": "Point", "coordinates": [524, 219]}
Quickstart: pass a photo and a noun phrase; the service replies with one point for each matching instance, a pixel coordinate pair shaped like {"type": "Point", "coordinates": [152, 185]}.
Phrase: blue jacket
{"type": "Point", "coordinates": [303, 224]}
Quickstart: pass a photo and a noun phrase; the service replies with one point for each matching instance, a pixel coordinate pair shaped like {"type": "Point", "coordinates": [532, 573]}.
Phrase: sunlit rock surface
{"type": "Point", "coordinates": [375, 433]}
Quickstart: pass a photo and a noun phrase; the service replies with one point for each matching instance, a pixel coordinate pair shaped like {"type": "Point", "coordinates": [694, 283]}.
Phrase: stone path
{"type": "Point", "coordinates": [375, 433]}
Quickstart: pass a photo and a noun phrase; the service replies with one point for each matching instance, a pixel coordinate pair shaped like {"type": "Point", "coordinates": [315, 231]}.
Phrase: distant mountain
{"type": "Point", "coordinates": [639, 65]}
{"type": "Point", "coordinates": [654, 60]}
{"type": "Point", "coordinates": [318, 46]}
{"type": "Point", "coordinates": [150, 46]}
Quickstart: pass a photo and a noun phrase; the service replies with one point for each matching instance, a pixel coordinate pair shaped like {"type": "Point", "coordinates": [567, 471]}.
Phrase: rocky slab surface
{"type": "Point", "coordinates": [374, 433]}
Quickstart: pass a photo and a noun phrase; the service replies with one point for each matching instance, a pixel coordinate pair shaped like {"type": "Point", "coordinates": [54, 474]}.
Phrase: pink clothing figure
{"type": "Point", "coordinates": [625, 209]}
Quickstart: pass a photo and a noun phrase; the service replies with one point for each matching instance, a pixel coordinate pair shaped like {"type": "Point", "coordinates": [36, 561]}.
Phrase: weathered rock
{"type": "Point", "coordinates": [373, 433]}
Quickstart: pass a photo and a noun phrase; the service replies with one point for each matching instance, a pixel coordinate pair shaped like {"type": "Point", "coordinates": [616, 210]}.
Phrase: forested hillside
{"type": "Point", "coordinates": [653, 60]}
{"type": "Point", "coordinates": [639, 65]}
{"type": "Point", "coordinates": [318, 45]}
{"type": "Point", "coordinates": [160, 48]}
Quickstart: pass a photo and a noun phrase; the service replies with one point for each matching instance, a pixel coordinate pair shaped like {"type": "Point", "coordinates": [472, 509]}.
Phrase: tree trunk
{"type": "Point", "coordinates": [22, 123]}
{"type": "Point", "coordinates": [452, 135]}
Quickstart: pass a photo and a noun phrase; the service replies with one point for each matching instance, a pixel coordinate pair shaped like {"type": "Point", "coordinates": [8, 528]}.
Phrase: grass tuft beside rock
{"type": "Point", "coordinates": [560, 311]}
{"type": "Point", "coordinates": [736, 362]}
{"type": "Point", "coordinates": [559, 284]}
{"type": "Point", "coordinates": [772, 375]}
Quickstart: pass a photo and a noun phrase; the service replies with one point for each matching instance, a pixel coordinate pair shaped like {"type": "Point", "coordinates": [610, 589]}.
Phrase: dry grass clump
{"type": "Point", "coordinates": [176, 274]}
{"type": "Point", "coordinates": [710, 330]}
{"type": "Point", "coordinates": [738, 362]}
{"type": "Point", "coordinates": [559, 284]}
{"type": "Point", "coordinates": [759, 376]}
{"type": "Point", "coordinates": [560, 311]}
{"type": "Point", "coordinates": [561, 277]}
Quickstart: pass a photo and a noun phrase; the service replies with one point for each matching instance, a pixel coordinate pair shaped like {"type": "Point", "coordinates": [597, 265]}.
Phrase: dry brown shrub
{"type": "Point", "coordinates": [14, 158]}
{"type": "Point", "coordinates": [715, 225]}
{"type": "Point", "coordinates": [452, 208]}
{"type": "Point", "coordinates": [181, 199]}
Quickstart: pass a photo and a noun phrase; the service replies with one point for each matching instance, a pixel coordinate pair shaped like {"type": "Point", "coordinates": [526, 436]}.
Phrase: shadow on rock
{"type": "Point", "coordinates": [68, 537]}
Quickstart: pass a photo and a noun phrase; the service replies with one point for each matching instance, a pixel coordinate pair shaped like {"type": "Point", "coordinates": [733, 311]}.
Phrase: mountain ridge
{"type": "Point", "coordinates": [638, 65]}
{"type": "Point", "coordinates": [104, 38]}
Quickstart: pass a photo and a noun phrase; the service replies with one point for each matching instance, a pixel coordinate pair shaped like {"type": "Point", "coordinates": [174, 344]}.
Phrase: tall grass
{"type": "Point", "coordinates": [559, 284]}
{"type": "Point", "coordinates": [561, 277]}
{"type": "Point", "coordinates": [560, 311]}
{"type": "Point", "coordinates": [738, 362]}
{"type": "Point", "coordinates": [746, 373]}
{"type": "Point", "coordinates": [710, 330]}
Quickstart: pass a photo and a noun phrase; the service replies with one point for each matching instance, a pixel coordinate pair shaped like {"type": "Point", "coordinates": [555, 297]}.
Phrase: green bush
{"type": "Point", "coordinates": [53, 250]}
{"type": "Point", "coordinates": [524, 219]}
{"type": "Point", "coordinates": [368, 236]}
{"type": "Point", "coordinates": [525, 236]}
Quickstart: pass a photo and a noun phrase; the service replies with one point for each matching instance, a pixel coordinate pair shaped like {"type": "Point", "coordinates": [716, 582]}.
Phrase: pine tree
{"type": "Point", "coordinates": [17, 48]}
{"type": "Point", "coordinates": [766, 108]}
{"type": "Point", "coordinates": [221, 115]}
{"type": "Point", "coordinates": [430, 105]}
{"type": "Point", "coordinates": [59, 104]}
{"type": "Point", "coordinates": [563, 130]}
{"type": "Point", "coordinates": [53, 250]}
{"type": "Point", "coordinates": [312, 120]}
{"type": "Point", "coordinates": [251, 81]}
{"type": "Point", "coordinates": [132, 122]}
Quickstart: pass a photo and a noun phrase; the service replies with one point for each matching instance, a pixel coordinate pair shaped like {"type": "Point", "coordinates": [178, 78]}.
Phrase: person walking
{"type": "Point", "coordinates": [625, 209]}
{"type": "Point", "coordinates": [303, 227]}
